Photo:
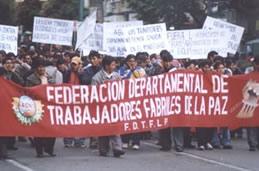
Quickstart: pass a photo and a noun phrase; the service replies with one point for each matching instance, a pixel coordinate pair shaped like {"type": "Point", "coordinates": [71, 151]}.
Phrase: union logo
{"type": "Point", "coordinates": [250, 100]}
{"type": "Point", "coordinates": [27, 111]}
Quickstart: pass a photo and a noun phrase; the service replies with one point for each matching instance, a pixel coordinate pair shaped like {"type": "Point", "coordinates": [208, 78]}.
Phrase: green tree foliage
{"type": "Point", "coordinates": [63, 9]}
{"type": "Point", "coordinates": [178, 13]}
{"type": "Point", "coordinates": [25, 12]}
{"type": "Point", "coordinates": [7, 12]}
{"type": "Point", "coordinates": [249, 7]}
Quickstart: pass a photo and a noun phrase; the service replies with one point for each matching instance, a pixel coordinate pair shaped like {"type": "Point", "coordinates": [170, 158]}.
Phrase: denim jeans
{"type": "Point", "coordinates": [77, 141]}
{"type": "Point", "coordinates": [221, 138]}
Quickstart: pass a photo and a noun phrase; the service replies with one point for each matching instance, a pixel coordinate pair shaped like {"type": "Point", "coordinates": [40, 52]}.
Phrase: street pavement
{"type": "Point", "coordinates": [148, 158]}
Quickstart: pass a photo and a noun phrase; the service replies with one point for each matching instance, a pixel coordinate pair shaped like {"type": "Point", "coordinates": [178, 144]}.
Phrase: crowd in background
{"type": "Point", "coordinates": [38, 64]}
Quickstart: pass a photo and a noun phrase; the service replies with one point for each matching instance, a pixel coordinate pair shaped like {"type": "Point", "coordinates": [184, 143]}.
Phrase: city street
{"type": "Point", "coordinates": [84, 68]}
{"type": "Point", "coordinates": [148, 158]}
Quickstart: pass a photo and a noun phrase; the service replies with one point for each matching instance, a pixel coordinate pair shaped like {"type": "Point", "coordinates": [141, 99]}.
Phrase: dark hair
{"type": "Point", "coordinates": [10, 54]}
{"type": "Point", "coordinates": [166, 56]}
{"type": "Point", "coordinates": [153, 56]}
{"type": "Point", "coordinates": [2, 52]}
{"type": "Point", "coordinates": [141, 56]}
{"type": "Point", "coordinates": [212, 53]}
{"type": "Point", "coordinates": [57, 55]}
{"type": "Point", "coordinates": [94, 53]}
{"type": "Point", "coordinates": [131, 56]}
{"type": "Point", "coordinates": [145, 54]}
{"type": "Point", "coordinates": [21, 56]}
{"type": "Point", "coordinates": [49, 62]}
{"type": "Point", "coordinates": [217, 64]}
{"type": "Point", "coordinates": [73, 54]}
{"type": "Point", "coordinates": [67, 54]}
{"type": "Point", "coordinates": [7, 59]}
{"type": "Point", "coordinates": [219, 58]}
{"type": "Point", "coordinates": [188, 63]}
{"type": "Point", "coordinates": [31, 53]}
{"type": "Point", "coordinates": [38, 62]}
{"type": "Point", "coordinates": [202, 64]}
{"type": "Point", "coordinates": [60, 61]}
{"type": "Point", "coordinates": [107, 60]}
{"type": "Point", "coordinates": [228, 63]}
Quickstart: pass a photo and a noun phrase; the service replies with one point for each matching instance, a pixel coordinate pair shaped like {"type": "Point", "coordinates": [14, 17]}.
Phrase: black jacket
{"type": "Point", "coordinates": [87, 75]}
{"type": "Point", "coordinates": [11, 76]}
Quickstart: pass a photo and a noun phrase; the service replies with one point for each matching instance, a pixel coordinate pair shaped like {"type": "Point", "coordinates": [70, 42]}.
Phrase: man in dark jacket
{"type": "Point", "coordinates": [7, 71]}
{"type": "Point", "coordinates": [157, 69]}
{"type": "Point", "coordinates": [90, 71]}
{"type": "Point", "coordinates": [39, 77]}
{"type": "Point", "coordinates": [165, 134]}
{"type": "Point", "coordinates": [86, 78]}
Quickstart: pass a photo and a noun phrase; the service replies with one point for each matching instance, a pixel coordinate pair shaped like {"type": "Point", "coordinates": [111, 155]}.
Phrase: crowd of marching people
{"type": "Point", "coordinates": [44, 64]}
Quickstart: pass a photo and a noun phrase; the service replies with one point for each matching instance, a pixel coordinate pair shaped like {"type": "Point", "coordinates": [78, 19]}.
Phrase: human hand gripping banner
{"type": "Point", "coordinates": [177, 99]}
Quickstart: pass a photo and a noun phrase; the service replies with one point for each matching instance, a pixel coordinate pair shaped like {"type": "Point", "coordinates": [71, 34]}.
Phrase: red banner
{"type": "Point", "coordinates": [178, 99]}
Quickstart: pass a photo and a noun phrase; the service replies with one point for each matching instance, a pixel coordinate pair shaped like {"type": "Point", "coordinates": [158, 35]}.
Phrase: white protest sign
{"type": "Point", "coordinates": [148, 38]}
{"type": "Point", "coordinates": [235, 32]}
{"type": "Point", "coordinates": [94, 41]}
{"type": "Point", "coordinates": [8, 38]}
{"type": "Point", "coordinates": [113, 36]}
{"type": "Point", "coordinates": [86, 29]}
{"type": "Point", "coordinates": [52, 31]}
{"type": "Point", "coordinates": [196, 44]}
{"type": "Point", "coordinates": [123, 24]}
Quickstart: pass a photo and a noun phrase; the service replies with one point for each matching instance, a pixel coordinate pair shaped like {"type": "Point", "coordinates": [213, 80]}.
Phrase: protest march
{"type": "Point", "coordinates": [121, 81]}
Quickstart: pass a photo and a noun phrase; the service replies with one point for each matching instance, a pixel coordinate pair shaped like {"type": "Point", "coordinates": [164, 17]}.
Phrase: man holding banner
{"type": "Point", "coordinates": [165, 134]}
{"type": "Point", "coordinates": [73, 76]}
{"type": "Point", "coordinates": [86, 78]}
{"type": "Point", "coordinates": [39, 77]}
{"type": "Point", "coordinates": [7, 72]}
{"type": "Point", "coordinates": [253, 132]}
{"type": "Point", "coordinates": [223, 136]}
{"type": "Point", "coordinates": [130, 70]}
{"type": "Point", "coordinates": [108, 74]}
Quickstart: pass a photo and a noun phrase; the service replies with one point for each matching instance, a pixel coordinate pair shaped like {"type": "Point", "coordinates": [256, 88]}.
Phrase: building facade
{"type": "Point", "coordinates": [111, 10]}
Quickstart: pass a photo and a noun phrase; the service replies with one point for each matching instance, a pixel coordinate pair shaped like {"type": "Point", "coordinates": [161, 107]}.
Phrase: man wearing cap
{"type": "Point", "coordinates": [72, 76]}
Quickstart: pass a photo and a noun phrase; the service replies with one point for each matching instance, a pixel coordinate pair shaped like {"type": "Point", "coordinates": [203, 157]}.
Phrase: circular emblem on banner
{"type": "Point", "coordinates": [250, 100]}
{"type": "Point", "coordinates": [27, 110]}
